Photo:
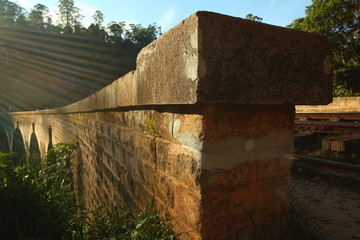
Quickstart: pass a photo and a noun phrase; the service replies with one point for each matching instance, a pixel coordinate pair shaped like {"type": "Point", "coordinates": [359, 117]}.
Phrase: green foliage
{"type": "Point", "coordinates": [38, 16]}
{"type": "Point", "coordinates": [116, 29]}
{"type": "Point", "coordinates": [152, 127]}
{"type": "Point", "coordinates": [141, 36]}
{"type": "Point", "coordinates": [40, 203]}
{"type": "Point", "coordinates": [253, 18]}
{"type": "Point", "coordinates": [150, 227]}
{"type": "Point", "coordinates": [339, 21]}
{"type": "Point", "coordinates": [98, 17]}
{"type": "Point", "coordinates": [35, 203]}
{"type": "Point", "coordinates": [69, 15]}
{"type": "Point", "coordinates": [10, 12]}
{"type": "Point", "coordinates": [122, 224]}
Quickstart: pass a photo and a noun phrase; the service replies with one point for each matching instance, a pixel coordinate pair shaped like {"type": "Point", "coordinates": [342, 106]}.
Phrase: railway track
{"type": "Point", "coordinates": [332, 116]}
{"type": "Point", "coordinates": [327, 122]}
{"type": "Point", "coordinates": [340, 121]}
{"type": "Point", "coordinates": [331, 167]}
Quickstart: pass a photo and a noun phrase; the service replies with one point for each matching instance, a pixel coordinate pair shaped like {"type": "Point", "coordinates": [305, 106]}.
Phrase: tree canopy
{"type": "Point", "coordinates": [38, 16]}
{"type": "Point", "coordinates": [253, 18]}
{"type": "Point", "coordinates": [339, 20]}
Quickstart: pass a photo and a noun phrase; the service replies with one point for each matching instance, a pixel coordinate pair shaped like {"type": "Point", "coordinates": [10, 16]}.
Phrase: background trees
{"type": "Point", "coordinates": [69, 15]}
{"type": "Point", "coordinates": [339, 20]}
{"type": "Point", "coordinates": [9, 12]}
{"type": "Point", "coordinates": [38, 17]}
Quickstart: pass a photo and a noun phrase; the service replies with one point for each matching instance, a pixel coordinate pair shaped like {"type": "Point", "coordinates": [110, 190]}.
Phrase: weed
{"type": "Point", "coordinates": [39, 202]}
{"type": "Point", "coordinates": [152, 127]}
{"type": "Point", "coordinates": [300, 225]}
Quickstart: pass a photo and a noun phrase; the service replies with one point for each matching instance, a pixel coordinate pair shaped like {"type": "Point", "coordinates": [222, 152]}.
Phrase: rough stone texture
{"type": "Point", "coordinates": [249, 62]}
{"type": "Point", "coordinates": [202, 130]}
{"type": "Point", "coordinates": [245, 171]}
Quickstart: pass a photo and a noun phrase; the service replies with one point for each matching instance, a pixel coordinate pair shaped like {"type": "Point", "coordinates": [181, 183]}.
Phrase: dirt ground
{"type": "Point", "coordinates": [333, 205]}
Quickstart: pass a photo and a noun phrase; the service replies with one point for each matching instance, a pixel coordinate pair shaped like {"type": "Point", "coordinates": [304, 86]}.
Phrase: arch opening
{"type": "Point", "coordinates": [19, 155]}
{"type": "Point", "coordinates": [34, 154]}
{"type": "Point", "coordinates": [50, 146]}
{"type": "Point", "coordinates": [4, 139]}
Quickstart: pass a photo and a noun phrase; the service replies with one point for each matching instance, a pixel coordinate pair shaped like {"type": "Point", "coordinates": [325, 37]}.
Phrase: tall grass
{"type": "Point", "coordinates": [39, 202]}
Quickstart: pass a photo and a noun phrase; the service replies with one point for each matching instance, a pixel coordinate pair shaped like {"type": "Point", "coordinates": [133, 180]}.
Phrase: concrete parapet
{"type": "Point", "coordinates": [202, 129]}
{"type": "Point", "coordinates": [343, 104]}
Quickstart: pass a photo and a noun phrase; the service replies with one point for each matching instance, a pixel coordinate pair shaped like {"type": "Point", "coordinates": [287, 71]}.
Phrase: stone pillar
{"type": "Point", "coordinates": [245, 78]}
{"type": "Point", "coordinates": [246, 158]}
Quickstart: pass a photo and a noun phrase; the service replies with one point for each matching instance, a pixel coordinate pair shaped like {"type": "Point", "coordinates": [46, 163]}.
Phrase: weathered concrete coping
{"type": "Point", "coordinates": [344, 104]}
{"type": "Point", "coordinates": [213, 58]}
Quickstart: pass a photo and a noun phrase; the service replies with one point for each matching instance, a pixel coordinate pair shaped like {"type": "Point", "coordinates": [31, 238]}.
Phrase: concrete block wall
{"type": "Point", "coordinates": [202, 130]}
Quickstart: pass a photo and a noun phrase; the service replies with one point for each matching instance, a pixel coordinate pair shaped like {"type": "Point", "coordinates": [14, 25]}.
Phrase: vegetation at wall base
{"type": "Point", "coordinates": [40, 203]}
{"type": "Point", "coordinates": [300, 225]}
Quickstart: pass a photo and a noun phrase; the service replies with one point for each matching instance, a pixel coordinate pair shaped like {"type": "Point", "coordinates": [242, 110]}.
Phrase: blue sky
{"type": "Point", "coordinates": [168, 13]}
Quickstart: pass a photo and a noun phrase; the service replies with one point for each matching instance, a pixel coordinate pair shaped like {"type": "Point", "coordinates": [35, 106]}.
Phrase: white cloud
{"type": "Point", "coordinates": [167, 19]}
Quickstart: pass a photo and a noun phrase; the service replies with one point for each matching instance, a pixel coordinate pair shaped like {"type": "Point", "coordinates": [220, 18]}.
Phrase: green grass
{"type": "Point", "coordinates": [40, 202]}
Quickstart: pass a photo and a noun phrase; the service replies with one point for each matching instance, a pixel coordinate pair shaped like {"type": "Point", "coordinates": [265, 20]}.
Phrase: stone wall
{"type": "Point", "coordinates": [202, 130]}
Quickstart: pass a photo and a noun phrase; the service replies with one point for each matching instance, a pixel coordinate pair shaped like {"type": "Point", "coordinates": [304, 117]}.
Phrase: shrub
{"type": "Point", "coordinates": [39, 202]}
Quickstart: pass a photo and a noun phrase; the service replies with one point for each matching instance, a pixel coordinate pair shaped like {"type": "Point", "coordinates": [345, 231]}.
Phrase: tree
{"type": "Point", "coordinates": [98, 18]}
{"type": "Point", "coordinates": [9, 12]}
{"type": "Point", "coordinates": [141, 36]}
{"type": "Point", "coordinates": [69, 15]}
{"type": "Point", "coordinates": [253, 18]}
{"type": "Point", "coordinates": [339, 21]}
{"type": "Point", "coordinates": [116, 29]}
{"type": "Point", "coordinates": [39, 16]}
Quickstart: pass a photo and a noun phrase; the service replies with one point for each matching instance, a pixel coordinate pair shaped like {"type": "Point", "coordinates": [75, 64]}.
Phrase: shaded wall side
{"type": "Point", "coordinates": [143, 158]}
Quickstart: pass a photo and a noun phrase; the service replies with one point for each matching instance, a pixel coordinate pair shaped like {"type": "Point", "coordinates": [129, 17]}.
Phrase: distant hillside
{"type": "Point", "coordinates": [48, 72]}
{"type": "Point", "coordinates": [47, 65]}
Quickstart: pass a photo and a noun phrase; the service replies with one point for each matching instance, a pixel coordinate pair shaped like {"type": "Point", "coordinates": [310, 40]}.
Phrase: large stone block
{"type": "Point", "coordinates": [216, 58]}
{"type": "Point", "coordinates": [172, 158]}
